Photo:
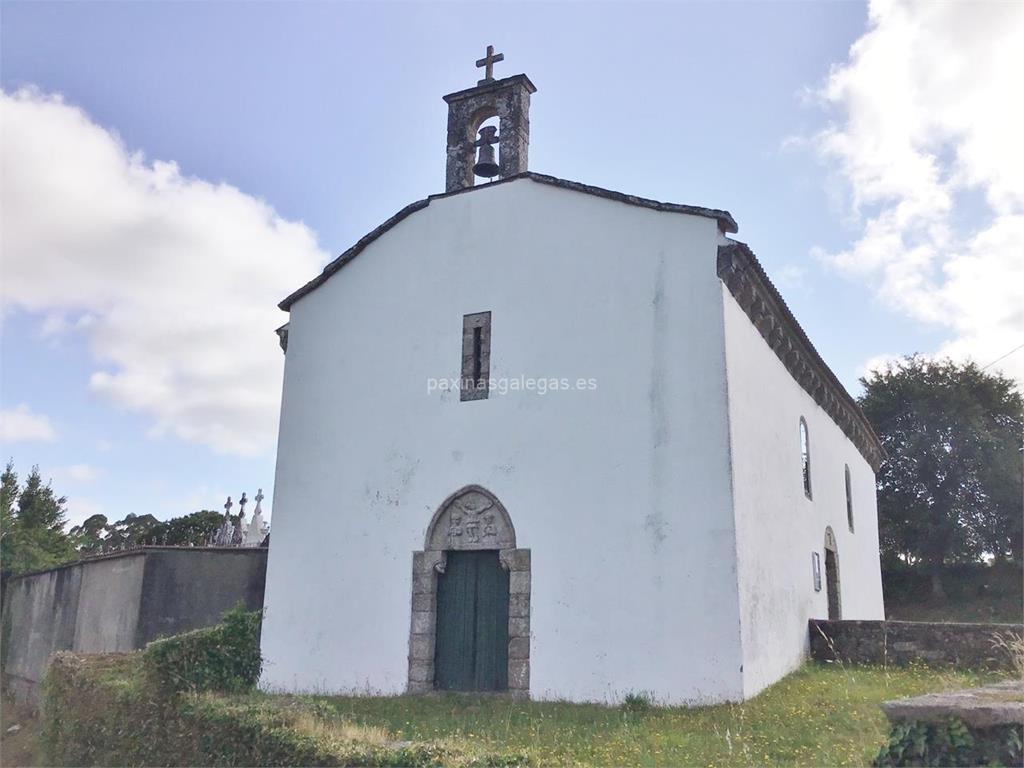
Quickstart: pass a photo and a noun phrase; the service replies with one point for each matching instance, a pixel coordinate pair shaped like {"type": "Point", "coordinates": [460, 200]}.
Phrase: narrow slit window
{"type": "Point", "coordinates": [805, 457]}
{"type": "Point", "coordinates": [476, 356]}
{"type": "Point", "coordinates": [849, 499]}
{"type": "Point", "coordinates": [477, 352]}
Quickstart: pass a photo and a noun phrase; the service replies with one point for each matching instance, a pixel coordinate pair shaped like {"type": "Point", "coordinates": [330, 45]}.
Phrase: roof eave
{"type": "Point", "coordinates": [757, 296]}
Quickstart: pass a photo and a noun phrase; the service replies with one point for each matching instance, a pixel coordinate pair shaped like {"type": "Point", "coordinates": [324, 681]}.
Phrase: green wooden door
{"type": "Point", "coordinates": [472, 624]}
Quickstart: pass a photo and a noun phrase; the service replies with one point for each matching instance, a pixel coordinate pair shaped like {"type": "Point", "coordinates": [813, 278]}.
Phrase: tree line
{"type": "Point", "coordinates": [33, 523]}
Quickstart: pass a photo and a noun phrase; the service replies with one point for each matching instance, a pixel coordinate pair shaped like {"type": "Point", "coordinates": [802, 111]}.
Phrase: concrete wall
{"type": "Point", "coordinates": [189, 588]}
{"type": "Point", "coordinates": [120, 602]}
{"type": "Point", "coordinates": [621, 492]}
{"type": "Point", "coordinates": [777, 526]}
{"type": "Point", "coordinates": [904, 642]}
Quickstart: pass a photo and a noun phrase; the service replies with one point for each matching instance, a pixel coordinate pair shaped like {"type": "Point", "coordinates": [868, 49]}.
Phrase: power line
{"type": "Point", "coordinates": [1003, 356]}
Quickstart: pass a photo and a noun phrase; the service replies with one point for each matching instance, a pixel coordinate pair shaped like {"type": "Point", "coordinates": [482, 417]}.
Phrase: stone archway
{"type": "Point", "coordinates": [835, 609]}
{"type": "Point", "coordinates": [471, 519]}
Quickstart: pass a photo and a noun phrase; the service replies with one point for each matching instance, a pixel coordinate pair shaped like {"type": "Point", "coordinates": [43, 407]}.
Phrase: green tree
{"type": "Point", "coordinates": [8, 498]}
{"type": "Point", "coordinates": [135, 531]}
{"type": "Point", "coordinates": [33, 529]}
{"type": "Point", "coordinates": [90, 536]}
{"type": "Point", "coordinates": [951, 489]}
{"type": "Point", "coordinates": [195, 529]}
{"type": "Point", "coordinates": [97, 534]}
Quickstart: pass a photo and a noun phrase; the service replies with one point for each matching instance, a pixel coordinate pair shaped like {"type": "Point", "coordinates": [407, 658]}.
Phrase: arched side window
{"type": "Point", "coordinates": [849, 500]}
{"type": "Point", "coordinates": [805, 457]}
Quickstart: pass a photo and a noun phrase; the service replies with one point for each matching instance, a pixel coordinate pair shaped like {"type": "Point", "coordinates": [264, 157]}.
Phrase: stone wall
{"type": "Point", "coordinates": [120, 602]}
{"type": "Point", "coordinates": [902, 642]}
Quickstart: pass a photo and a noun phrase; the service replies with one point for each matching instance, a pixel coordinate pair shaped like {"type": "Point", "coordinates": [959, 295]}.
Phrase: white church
{"type": "Point", "coordinates": [549, 439]}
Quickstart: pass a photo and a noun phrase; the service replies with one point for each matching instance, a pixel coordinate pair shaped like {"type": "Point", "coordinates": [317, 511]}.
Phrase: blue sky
{"type": "Point", "coordinates": [331, 114]}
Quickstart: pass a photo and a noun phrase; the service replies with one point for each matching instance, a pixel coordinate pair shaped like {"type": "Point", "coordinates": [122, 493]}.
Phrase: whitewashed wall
{"type": "Point", "coordinates": [622, 493]}
{"type": "Point", "coordinates": [777, 525]}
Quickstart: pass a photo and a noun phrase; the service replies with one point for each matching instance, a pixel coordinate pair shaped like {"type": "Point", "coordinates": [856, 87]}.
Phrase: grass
{"type": "Point", "coordinates": [819, 715]}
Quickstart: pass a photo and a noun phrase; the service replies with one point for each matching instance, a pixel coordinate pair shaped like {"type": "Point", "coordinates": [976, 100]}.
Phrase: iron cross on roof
{"type": "Point", "coordinates": [488, 62]}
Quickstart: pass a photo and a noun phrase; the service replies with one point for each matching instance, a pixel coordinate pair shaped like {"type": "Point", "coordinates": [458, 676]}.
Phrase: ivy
{"type": "Point", "coordinates": [950, 743]}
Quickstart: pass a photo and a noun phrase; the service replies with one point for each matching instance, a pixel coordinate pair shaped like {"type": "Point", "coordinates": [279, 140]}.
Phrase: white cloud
{"type": "Point", "coordinates": [77, 473]}
{"type": "Point", "coordinates": [879, 363]}
{"type": "Point", "coordinates": [79, 510]}
{"type": "Point", "coordinates": [173, 280]}
{"type": "Point", "coordinates": [928, 143]}
{"type": "Point", "coordinates": [792, 279]}
{"type": "Point", "coordinates": [20, 424]}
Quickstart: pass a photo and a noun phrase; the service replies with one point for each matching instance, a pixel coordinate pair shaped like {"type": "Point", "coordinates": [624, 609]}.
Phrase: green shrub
{"type": "Point", "coordinates": [225, 657]}
{"type": "Point", "coordinates": [950, 743]}
{"type": "Point", "coordinates": [637, 703]}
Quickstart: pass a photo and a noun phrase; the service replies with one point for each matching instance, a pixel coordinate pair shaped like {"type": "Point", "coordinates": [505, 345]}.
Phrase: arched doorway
{"type": "Point", "coordinates": [470, 626]}
{"type": "Point", "coordinates": [835, 611]}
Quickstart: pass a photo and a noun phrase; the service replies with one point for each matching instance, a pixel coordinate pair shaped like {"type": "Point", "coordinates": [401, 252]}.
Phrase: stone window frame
{"type": "Point", "coordinates": [805, 458]}
{"type": "Point", "coordinates": [849, 497]}
{"type": "Point", "coordinates": [833, 547]}
{"type": "Point", "coordinates": [451, 529]}
{"type": "Point", "coordinates": [475, 385]}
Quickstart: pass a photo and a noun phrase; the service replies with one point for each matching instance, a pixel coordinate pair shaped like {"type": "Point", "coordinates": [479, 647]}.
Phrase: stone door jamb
{"type": "Point", "coordinates": [470, 519]}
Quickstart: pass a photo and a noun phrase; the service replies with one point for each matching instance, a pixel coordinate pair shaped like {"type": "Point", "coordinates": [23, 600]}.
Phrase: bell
{"type": "Point", "coordinates": [485, 166]}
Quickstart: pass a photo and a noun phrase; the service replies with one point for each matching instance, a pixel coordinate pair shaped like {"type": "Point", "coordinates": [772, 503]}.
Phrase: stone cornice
{"type": "Point", "coordinates": [746, 280]}
{"type": "Point", "coordinates": [496, 85]}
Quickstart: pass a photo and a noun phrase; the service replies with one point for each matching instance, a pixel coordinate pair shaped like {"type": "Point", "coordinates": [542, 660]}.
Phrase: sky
{"type": "Point", "coordinates": [170, 170]}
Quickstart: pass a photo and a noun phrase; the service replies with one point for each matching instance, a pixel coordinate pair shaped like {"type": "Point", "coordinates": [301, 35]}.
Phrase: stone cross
{"type": "Point", "coordinates": [488, 62]}
{"type": "Point", "coordinates": [242, 502]}
{"type": "Point", "coordinates": [259, 496]}
{"type": "Point", "coordinates": [228, 506]}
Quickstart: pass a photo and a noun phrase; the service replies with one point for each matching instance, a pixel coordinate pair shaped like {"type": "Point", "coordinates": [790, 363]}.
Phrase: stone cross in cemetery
{"type": "Point", "coordinates": [255, 532]}
{"type": "Point", "coordinates": [236, 533]}
{"type": "Point", "coordinates": [223, 536]}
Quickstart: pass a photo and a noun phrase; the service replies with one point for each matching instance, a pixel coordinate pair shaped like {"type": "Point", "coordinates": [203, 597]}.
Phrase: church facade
{"type": "Point", "coordinates": [548, 439]}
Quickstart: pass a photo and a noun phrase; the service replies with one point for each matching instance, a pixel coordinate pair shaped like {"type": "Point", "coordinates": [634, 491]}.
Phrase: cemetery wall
{"type": "Point", "coordinates": [119, 602]}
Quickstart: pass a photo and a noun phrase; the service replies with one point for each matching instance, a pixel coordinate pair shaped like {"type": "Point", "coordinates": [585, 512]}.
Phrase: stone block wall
{"type": "Point", "coordinates": [903, 642]}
